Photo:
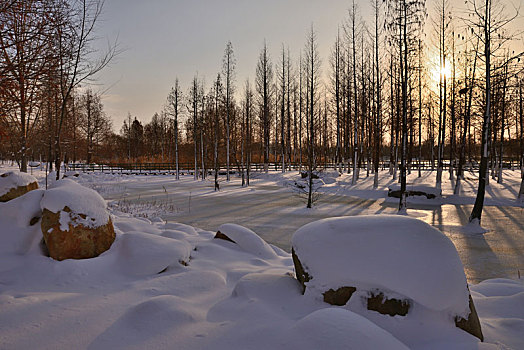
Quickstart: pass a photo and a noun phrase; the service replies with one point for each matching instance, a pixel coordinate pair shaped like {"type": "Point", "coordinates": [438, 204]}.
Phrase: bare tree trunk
{"type": "Point", "coordinates": [502, 126]}
{"type": "Point", "coordinates": [467, 118]}
{"type": "Point", "coordinates": [521, 114]}
{"type": "Point", "coordinates": [404, 73]}
{"type": "Point", "coordinates": [476, 213]}
{"type": "Point", "coordinates": [378, 99]}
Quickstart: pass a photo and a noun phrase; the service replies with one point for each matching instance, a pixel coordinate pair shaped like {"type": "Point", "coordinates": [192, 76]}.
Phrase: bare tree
{"type": "Point", "coordinates": [173, 109]}
{"type": "Point", "coordinates": [228, 70]}
{"type": "Point", "coordinates": [248, 106]}
{"type": "Point", "coordinates": [489, 20]}
{"type": "Point", "coordinates": [264, 78]}
{"type": "Point", "coordinates": [312, 65]}
{"type": "Point", "coordinates": [24, 51]}
{"type": "Point", "coordinates": [75, 34]}
{"type": "Point", "coordinates": [218, 97]}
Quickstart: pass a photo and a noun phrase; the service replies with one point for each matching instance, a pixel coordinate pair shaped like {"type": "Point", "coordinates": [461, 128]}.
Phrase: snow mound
{"type": "Point", "coordinates": [144, 254]}
{"type": "Point", "coordinates": [335, 328]}
{"type": "Point", "coordinates": [498, 287]}
{"type": "Point", "coordinates": [391, 253]}
{"type": "Point", "coordinates": [248, 240]}
{"type": "Point", "coordinates": [81, 200]}
{"type": "Point", "coordinates": [14, 179]}
{"type": "Point", "coordinates": [17, 234]}
{"type": "Point", "coordinates": [127, 224]}
{"type": "Point", "coordinates": [271, 288]}
{"type": "Point", "coordinates": [190, 230]}
{"type": "Point", "coordinates": [499, 303]}
{"type": "Point", "coordinates": [175, 234]}
{"type": "Point", "coordinates": [148, 320]}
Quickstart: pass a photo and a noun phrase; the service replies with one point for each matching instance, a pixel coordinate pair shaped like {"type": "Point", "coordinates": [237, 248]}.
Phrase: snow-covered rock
{"type": "Point", "coordinates": [15, 184]}
{"type": "Point", "coordinates": [75, 222]}
{"type": "Point", "coordinates": [397, 262]}
{"type": "Point", "coordinates": [247, 240]}
{"type": "Point", "coordinates": [142, 254]}
{"type": "Point", "coordinates": [414, 190]}
{"type": "Point", "coordinates": [395, 253]}
{"type": "Point", "coordinates": [80, 199]}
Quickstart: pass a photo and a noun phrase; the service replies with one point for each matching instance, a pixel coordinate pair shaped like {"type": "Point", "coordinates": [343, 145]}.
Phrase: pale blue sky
{"type": "Point", "coordinates": [165, 39]}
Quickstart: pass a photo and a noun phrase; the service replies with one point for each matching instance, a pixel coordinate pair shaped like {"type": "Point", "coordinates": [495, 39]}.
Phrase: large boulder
{"type": "Point", "coordinates": [392, 263]}
{"type": "Point", "coordinates": [75, 222]}
{"type": "Point", "coordinates": [15, 184]}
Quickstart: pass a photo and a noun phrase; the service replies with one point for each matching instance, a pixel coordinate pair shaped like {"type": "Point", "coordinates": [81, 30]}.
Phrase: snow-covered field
{"type": "Point", "coordinates": [216, 294]}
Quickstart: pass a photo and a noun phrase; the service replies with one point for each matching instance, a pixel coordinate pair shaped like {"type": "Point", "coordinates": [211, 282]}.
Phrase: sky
{"type": "Point", "coordinates": [166, 39]}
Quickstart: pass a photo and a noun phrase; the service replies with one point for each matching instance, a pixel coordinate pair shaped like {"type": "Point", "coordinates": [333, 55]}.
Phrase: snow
{"type": "Point", "coordinates": [500, 305]}
{"type": "Point", "coordinates": [143, 254]}
{"type": "Point", "coordinates": [16, 234]}
{"type": "Point", "coordinates": [340, 329]}
{"type": "Point", "coordinates": [247, 240]}
{"type": "Point", "coordinates": [393, 253]}
{"type": "Point", "coordinates": [14, 179]}
{"type": "Point", "coordinates": [228, 296]}
{"type": "Point", "coordinates": [81, 200]}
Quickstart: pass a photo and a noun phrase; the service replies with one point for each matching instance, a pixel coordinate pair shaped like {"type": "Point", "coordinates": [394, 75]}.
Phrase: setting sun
{"type": "Point", "coordinates": [438, 71]}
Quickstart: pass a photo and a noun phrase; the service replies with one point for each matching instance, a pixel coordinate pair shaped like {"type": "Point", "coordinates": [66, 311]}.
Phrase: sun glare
{"type": "Point", "coordinates": [444, 71]}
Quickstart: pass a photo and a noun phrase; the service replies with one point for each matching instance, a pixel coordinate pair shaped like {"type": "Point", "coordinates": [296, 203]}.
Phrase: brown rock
{"type": "Point", "coordinates": [78, 242]}
{"type": "Point", "coordinates": [220, 235]}
{"type": "Point", "coordinates": [472, 323]}
{"type": "Point", "coordinates": [339, 297]}
{"type": "Point", "coordinates": [391, 307]}
{"type": "Point", "coordinates": [302, 275]}
{"type": "Point", "coordinates": [17, 191]}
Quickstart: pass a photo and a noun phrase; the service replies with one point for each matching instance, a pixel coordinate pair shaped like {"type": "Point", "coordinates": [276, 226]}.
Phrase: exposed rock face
{"type": "Point", "coordinates": [302, 275]}
{"type": "Point", "coordinates": [392, 307]}
{"type": "Point", "coordinates": [76, 241]}
{"type": "Point", "coordinates": [340, 296]}
{"type": "Point", "coordinates": [220, 235]}
{"type": "Point", "coordinates": [472, 323]}
{"type": "Point", "coordinates": [14, 185]}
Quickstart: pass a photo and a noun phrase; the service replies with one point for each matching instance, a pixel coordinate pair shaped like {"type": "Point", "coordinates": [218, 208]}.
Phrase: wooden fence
{"type": "Point", "coordinates": [188, 168]}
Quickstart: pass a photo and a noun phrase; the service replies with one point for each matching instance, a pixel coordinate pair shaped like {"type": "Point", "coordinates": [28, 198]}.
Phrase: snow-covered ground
{"type": "Point", "coordinates": [218, 295]}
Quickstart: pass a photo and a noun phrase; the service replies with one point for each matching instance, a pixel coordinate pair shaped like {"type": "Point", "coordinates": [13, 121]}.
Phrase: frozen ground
{"type": "Point", "coordinates": [230, 297]}
{"type": "Point", "coordinates": [274, 211]}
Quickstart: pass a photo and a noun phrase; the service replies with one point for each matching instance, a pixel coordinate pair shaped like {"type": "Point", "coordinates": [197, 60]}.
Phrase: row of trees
{"type": "Point", "coordinates": [46, 54]}
{"type": "Point", "coordinates": [404, 89]}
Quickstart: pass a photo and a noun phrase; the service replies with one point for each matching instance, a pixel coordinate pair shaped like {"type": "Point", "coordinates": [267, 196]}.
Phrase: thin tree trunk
{"type": "Point", "coordinates": [476, 213]}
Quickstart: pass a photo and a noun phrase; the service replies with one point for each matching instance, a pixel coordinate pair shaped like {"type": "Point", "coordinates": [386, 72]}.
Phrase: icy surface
{"type": "Point", "coordinates": [81, 200]}
{"type": "Point", "coordinates": [392, 253]}
{"type": "Point", "coordinates": [14, 179]}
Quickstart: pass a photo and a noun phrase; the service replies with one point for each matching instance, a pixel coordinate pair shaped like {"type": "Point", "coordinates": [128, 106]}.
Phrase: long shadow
{"type": "Point", "coordinates": [479, 260]}
{"type": "Point", "coordinates": [507, 243]}
{"type": "Point", "coordinates": [510, 188]}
